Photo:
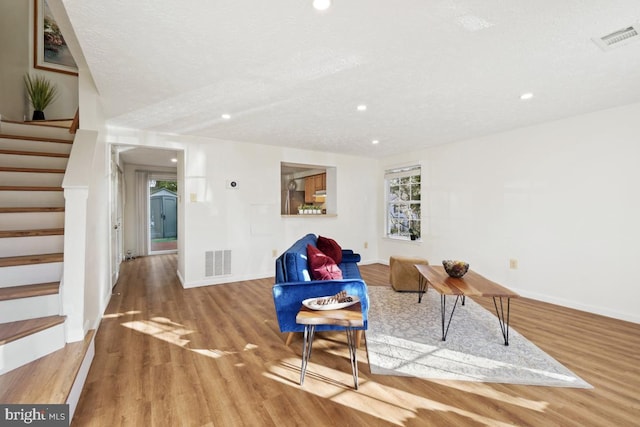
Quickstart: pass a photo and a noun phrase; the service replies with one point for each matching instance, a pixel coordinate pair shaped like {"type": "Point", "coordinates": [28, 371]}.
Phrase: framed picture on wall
{"type": "Point", "coordinates": [50, 51]}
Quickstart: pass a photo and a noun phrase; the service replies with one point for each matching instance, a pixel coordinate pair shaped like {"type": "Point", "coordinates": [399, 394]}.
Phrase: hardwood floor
{"type": "Point", "coordinates": [213, 356]}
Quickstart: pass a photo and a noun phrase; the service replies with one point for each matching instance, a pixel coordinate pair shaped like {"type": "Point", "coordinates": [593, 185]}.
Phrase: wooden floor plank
{"type": "Point", "coordinates": [214, 356]}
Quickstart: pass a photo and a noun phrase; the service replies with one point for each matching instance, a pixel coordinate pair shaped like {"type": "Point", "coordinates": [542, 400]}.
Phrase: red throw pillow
{"type": "Point", "coordinates": [331, 248]}
{"type": "Point", "coordinates": [322, 266]}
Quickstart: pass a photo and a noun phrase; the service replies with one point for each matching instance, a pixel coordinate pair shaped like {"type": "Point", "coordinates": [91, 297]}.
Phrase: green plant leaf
{"type": "Point", "coordinates": [41, 91]}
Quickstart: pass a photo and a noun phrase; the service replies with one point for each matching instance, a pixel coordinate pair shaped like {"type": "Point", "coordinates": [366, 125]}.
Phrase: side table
{"type": "Point", "coordinates": [349, 317]}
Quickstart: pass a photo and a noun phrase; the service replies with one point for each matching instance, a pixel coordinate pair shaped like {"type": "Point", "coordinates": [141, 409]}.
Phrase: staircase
{"type": "Point", "coordinates": [32, 165]}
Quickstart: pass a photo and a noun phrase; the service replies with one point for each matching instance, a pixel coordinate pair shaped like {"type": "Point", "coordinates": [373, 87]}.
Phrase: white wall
{"type": "Point", "coordinates": [247, 220]}
{"type": "Point", "coordinates": [16, 59]}
{"type": "Point", "coordinates": [98, 257]}
{"type": "Point", "coordinates": [98, 238]}
{"type": "Point", "coordinates": [562, 198]}
{"type": "Point", "coordinates": [66, 103]}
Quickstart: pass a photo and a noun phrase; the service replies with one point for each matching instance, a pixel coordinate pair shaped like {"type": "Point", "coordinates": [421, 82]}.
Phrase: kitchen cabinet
{"type": "Point", "coordinates": [312, 184]}
{"type": "Point", "coordinates": [309, 189]}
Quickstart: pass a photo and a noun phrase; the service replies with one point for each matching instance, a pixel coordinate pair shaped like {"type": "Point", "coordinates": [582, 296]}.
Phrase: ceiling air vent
{"type": "Point", "coordinates": [618, 38]}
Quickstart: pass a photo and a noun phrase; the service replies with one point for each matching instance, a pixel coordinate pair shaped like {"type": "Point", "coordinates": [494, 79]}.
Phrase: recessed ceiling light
{"type": "Point", "coordinates": [321, 4]}
{"type": "Point", "coordinates": [226, 116]}
{"type": "Point", "coordinates": [362, 107]}
{"type": "Point", "coordinates": [526, 96]}
{"type": "Point", "coordinates": [375, 141]}
{"type": "Point", "coordinates": [174, 160]}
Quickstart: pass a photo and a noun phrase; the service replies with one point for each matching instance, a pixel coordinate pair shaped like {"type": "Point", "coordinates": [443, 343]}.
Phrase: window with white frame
{"type": "Point", "coordinates": [403, 204]}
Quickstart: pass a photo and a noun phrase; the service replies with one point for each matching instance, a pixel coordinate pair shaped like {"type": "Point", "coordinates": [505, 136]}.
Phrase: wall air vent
{"type": "Point", "coordinates": [217, 263]}
{"type": "Point", "coordinates": [618, 38]}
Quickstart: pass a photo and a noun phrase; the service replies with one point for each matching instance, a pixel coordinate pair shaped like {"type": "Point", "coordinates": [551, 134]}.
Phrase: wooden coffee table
{"type": "Point", "coordinates": [349, 317]}
{"type": "Point", "coordinates": [471, 284]}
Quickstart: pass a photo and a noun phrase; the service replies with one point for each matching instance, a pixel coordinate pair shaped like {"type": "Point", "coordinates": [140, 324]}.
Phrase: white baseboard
{"type": "Point", "coordinates": [628, 317]}
{"type": "Point", "coordinates": [223, 280]}
{"type": "Point", "coordinates": [374, 261]}
{"type": "Point", "coordinates": [180, 278]}
{"type": "Point", "coordinates": [81, 378]}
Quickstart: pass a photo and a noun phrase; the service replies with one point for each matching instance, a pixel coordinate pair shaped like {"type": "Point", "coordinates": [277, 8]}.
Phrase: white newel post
{"type": "Point", "coordinates": [73, 285]}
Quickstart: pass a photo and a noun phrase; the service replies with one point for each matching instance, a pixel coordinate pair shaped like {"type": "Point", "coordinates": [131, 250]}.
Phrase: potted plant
{"type": "Point", "coordinates": [414, 233]}
{"type": "Point", "coordinates": [41, 93]}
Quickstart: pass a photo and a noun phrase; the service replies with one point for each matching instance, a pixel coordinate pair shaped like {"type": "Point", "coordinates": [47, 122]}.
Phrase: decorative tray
{"type": "Point", "coordinates": [312, 303]}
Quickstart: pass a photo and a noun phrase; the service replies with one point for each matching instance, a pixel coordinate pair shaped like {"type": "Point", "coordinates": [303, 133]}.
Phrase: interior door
{"type": "Point", "coordinates": [117, 208]}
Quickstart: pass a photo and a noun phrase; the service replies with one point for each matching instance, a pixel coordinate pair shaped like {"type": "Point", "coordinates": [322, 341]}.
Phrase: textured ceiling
{"type": "Point", "coordinates": [147, 156]}
{"type": "Point", "coordinates": [430, 72]}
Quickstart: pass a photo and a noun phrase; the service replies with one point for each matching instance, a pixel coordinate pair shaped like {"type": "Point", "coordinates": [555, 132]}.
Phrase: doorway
{"type": "Point", "coordinates": [163, 216]}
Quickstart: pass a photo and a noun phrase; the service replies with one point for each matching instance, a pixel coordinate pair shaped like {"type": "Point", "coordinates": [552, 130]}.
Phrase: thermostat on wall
{"type": "Point", "coordinates": [232, 184]}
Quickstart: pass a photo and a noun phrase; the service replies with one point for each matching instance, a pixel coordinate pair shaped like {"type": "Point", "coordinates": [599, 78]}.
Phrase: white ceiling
{"type": "Point", "coordinates": [147, 156]}
{"type": "Point", "coordinates": [430, 72]}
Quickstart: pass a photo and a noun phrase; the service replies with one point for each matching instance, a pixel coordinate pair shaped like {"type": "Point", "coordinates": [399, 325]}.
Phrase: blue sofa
{"type": "Point", "coordinates": [293, 284]}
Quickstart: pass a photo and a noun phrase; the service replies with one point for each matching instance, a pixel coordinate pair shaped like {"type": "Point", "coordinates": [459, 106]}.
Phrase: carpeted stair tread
{"type": "Point", "coordinates": [13, 331]}
{"type": "Point", "coordinates": [30, 259]}
{"type": "Point", "coordinates": [32, 233]}
{"type": "Point", "coordinates": [28, 291]}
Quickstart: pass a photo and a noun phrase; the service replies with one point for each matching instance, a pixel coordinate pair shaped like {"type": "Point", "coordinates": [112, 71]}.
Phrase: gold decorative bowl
{"type": "Point", "coordinates": [455, 269]}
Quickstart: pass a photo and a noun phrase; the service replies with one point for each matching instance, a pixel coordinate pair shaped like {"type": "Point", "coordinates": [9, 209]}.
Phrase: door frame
{"type": "Point", "coordinates": [116, 214]}
{"type": "Point", "coordinates": [159, 176]}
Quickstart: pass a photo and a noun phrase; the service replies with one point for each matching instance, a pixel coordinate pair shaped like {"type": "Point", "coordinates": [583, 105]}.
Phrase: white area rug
{"type": "Point", "coordinates": [405, 338]}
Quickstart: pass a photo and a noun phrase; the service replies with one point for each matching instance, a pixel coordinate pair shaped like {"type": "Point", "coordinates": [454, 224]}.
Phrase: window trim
{"type": "Point", "coordinates": [401, 172]}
